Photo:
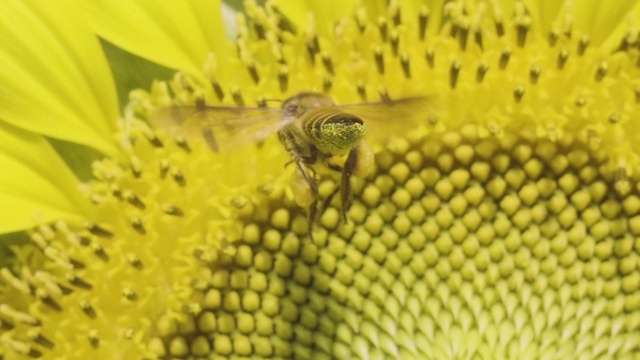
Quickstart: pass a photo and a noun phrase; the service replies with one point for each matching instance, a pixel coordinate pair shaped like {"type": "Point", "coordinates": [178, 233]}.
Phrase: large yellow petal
{"type": "Point", "coordinates": [36, 185]}
{"type": "Point", "coordinates": [176, 34]}
{"type": "Point", "coordinates": [55, 79]}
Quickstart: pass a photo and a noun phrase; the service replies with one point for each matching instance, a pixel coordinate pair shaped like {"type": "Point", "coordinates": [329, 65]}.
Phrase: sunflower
{"type": "Point", "coordinates": [504, 224]}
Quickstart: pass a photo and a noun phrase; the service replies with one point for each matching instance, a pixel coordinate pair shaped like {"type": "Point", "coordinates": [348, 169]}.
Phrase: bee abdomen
{"type": "Point", "coordinates": [331, 130]}
{"type": "Point", "coordinates": [315, 122]}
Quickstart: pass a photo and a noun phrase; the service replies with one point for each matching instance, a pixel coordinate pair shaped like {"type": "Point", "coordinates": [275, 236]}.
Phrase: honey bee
{"type": "Point", "coordinates": [312, 128]}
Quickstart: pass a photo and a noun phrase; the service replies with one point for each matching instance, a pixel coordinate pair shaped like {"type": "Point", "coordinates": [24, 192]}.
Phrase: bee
{"type": "Point", "coordinates": [312, 128]}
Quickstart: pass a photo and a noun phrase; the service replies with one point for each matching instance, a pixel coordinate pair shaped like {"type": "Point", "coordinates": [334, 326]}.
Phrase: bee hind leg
{"type": "Point", "coordinates": [309, 177]}
{"type": "Point", "coordinates": [345, 182]}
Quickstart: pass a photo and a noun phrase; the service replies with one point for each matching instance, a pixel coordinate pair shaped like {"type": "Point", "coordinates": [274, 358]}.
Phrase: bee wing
{"type": "Point", "coordinates": [223, 128]}
{"type": "Point", "coordinates": [394, 117]}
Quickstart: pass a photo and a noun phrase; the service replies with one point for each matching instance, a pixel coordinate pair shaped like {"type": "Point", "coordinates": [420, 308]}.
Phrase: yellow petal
{"type": "Point", "coordinates": [55, 79]}
{"type": "Point", "coordinates": [36, 185]}
{"type": "Point", "coordinates": [176, 34]}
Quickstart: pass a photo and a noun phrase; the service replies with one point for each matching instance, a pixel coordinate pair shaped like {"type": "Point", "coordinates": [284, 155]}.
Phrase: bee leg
{"type": "Point", "coordinates": [313, 186]}
{"type": "Point", "coordinates": [345, 185]}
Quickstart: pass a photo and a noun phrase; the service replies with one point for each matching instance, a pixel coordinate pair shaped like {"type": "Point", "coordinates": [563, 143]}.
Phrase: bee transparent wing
{"type": "Point", "coordinates": [223, 128]}
{"type": "Point", "coordinates": [395, 117]}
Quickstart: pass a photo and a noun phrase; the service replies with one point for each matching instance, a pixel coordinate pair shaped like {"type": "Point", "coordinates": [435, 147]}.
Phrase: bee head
{"type": "Point", "coordinates": [299, 104]}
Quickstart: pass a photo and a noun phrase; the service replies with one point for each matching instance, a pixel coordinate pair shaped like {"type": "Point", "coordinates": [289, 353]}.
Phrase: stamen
{"type": "Point", "coordinates": [522, 28]}
{"type": "Point", "coordinates": [483, 67]}
{"type": "Point", "coordinates": [430, 56]}
{"type": "Point", "coordinates": [183, 144]}
{"type": "Point", "coordinates": [153, 139]}
{"type": "Point", "coordinates": [172, 210]}
{"type": "Point", "coordinates": [50, 302]}
{"type": "Point", "coordinates": [99, 231]}
{"type": "Point", "coordinates": [382, 27]}
{"type": "Point", "coordinates": [499, 28]}
{"type": "Point", "coordinates": [237, 97]}
{"type": "Point", "coordinates": [251, 66]}
{"type": "Point", "coordinates": [554, 35]}
{"type": "Point", "coordinates": [93, 338]}
{"type": "Point", "coordinates": [518, 93]}
{"type": "Point", "coordinates": [463, 35]}
{"type": "Point", "coordinates": [423, 22]}
{"type": "Point", "coordinates": [326, 85]}
{"type": "Point", "coordinates": [478, 39]}
{"type": "Point", "coordinates": [504, 58]}
{"type": "Point", "coordinates": [384, 95]}
{"type": "Point", "coordinates": [615, 117]}
{"type": "Point", "coordinates": [178, 176]}
{"type": "Point", "coordinates": [130, 294]}
{"type": "Point", "coordinates": [135, 261]}
{"type": "Point", "coordinates": [328, 64]}
{"type": "Point", "coordinates": [361, 19]}
{"type": "Point", "coordinates": [583, 44]}
{"type": "Point", "coordinates": [580, 101]}
{"type": "Point", "coordinates": [313, 48]}
{"type": "Point", "coordinates": [259, 29]}
{"type": "Point", "coordinates": [284, 24]}
{"type": "Point", "coordinates": [134, 200]}
{"type": "Point", "coordinates": [79, 282]}
{"type": "Point", "coordinates": [379, 59]}
{"type": "Point", "coordinates": [98, 250]}
{"type": "Point", "coordinates": [395, 42]}
{"type": "Point", "coordinates": [454, 71]}
{"type": "Point", "coordinates": [362, 91]}
{"type": "Point", "coordinates": [43, 341]}
{"type": "Point", "coordinates": [283, 78]}
{"type": "Point", "coordinates": [87, 309]}
{"type": "Point", "coordinates": [562, 58]}
{"type": "Point", "coordinates": [394, 11]}
{"type": "Point", "coordinates": [164, 168]}
{"type": "Point", "coordinates": [601, 71]}
{"type": "Point", "coordinates": [534, 74]}
{"type": "Point", "coordinates": [404, 62]}
{"type": "Point", "coordinates": [217, 89]}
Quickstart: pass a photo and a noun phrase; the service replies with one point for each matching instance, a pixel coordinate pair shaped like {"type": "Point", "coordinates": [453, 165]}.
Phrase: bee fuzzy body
{"type": "Point", "coordinates": [312, 129]}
